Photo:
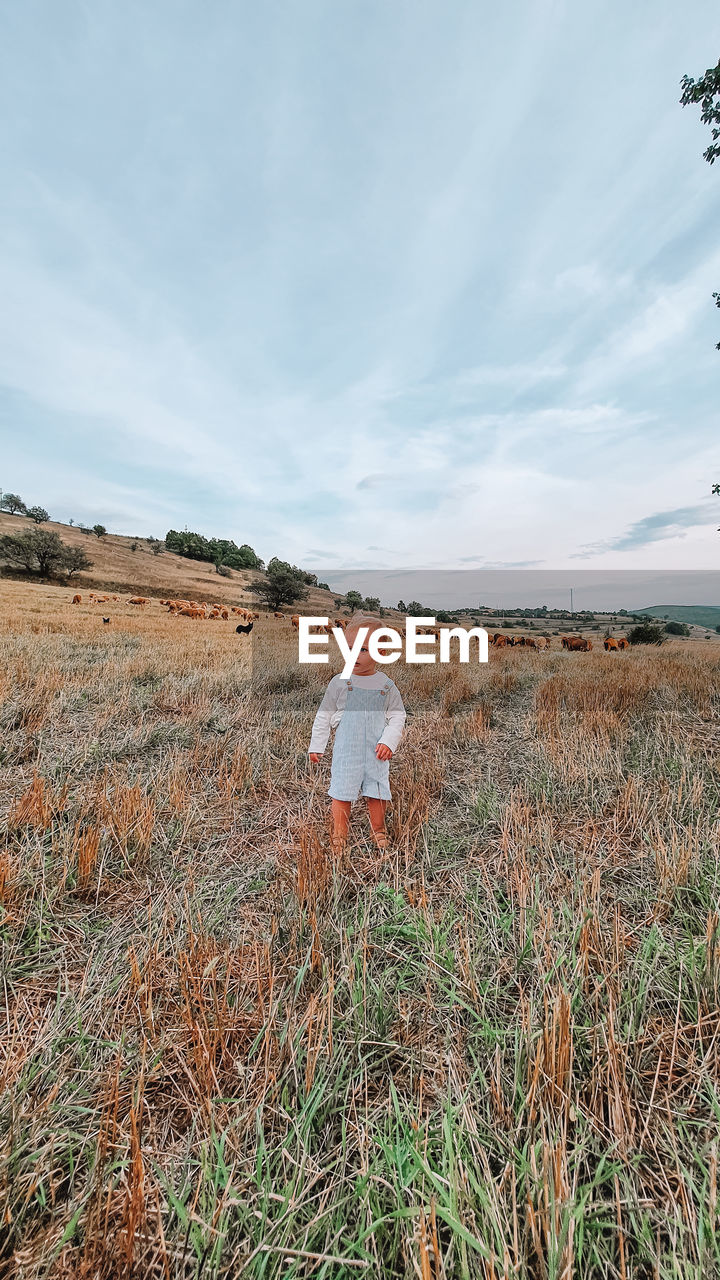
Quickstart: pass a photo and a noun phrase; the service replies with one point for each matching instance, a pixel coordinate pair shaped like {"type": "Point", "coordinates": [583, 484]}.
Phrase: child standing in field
{"type": "Point", "coordinates": [368, 714]}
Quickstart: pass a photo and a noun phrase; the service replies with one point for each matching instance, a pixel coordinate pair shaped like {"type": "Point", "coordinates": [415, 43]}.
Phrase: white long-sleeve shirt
{"type": "Point", "coordinates": [331, 708]}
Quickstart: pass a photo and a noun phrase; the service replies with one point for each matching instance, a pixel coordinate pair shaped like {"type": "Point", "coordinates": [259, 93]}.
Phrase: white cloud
{"type": "Point", "coordinates": [658, 325]}
{"type": "Point", "coordinates": [589, 281]}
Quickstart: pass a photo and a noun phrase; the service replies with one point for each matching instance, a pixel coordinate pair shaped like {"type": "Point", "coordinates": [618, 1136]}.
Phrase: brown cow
{"type": "Point", "coordinates": [623, 642]}
{"type": "Point", "coordinates": [296, 621]}
{"type": "Point", "coordinates": [138, 600]}
{"type": "Point", "coordinates": [278, 615]}
{"type": "Point", "coordinates": [541, 642]}
{"type": "Point", "coordinates": [610, 645]}
{"type": "Point", "coordinates": [500, 641]}
{"type": "Point", "coordinates": [579, 644]}
{"type": "Point", "coordinates": [77, 599]}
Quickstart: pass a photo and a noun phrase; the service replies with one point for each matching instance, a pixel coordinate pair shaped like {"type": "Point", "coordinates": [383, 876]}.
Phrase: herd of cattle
{"type": "Point", "coordinates": [179, 608]}
{"type": "Point", "coordinates": [578, 644]}
{"type": "Point", "coordinates": [196, 609]}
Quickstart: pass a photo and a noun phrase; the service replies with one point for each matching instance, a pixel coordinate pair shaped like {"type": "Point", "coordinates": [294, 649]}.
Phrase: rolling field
{"type": "Point", "coordinates": [493, 1052]}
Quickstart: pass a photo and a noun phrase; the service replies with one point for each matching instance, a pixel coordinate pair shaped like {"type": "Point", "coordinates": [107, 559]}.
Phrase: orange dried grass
{"type": "Point", "coordinates": [38, 805]}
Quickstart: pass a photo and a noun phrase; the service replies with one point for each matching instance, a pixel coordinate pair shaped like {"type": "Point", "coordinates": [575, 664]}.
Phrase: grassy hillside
{"type": "Point", "coordinates": [116, 567]}
{"type": "Point", "coordinates": [698, 615]}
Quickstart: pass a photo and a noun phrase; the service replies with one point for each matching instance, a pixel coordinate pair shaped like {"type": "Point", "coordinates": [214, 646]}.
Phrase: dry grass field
{"type": "Point", "coordinates": [493, 1052]}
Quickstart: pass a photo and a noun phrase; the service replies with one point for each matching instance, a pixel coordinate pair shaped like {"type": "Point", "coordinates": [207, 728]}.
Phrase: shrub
{"type": "Point", "coordinates": [647, 633]}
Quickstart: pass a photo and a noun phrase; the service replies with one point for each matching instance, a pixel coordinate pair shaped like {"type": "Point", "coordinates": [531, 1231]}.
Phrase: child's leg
{"type": "Point", "coordinates": [376, 811]}
{"type": "Point", "coordinates": [341, 819]}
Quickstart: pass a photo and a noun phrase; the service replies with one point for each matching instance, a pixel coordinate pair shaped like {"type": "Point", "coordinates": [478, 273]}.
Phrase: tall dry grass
{"type": "Point", "coordinates": [491, 1053]}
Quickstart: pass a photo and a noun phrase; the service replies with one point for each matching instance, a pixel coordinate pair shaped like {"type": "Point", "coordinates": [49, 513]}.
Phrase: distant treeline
{"type": "Point", "coordinates": [485, 611]}
{"type": "Point", "coordinates": [217, 550]}
{"type": "Point", "coordinates": [544, 612]}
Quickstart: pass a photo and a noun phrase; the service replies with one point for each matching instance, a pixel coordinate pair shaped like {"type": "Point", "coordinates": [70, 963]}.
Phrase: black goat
{"type": "Point", "coordinates": [106, 619]}
{"type": "Point", "coordinates": [244, 630]}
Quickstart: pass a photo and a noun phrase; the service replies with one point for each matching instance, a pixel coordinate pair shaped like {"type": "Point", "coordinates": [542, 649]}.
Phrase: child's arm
{"type": "Point", "coordinates": [394, 722]}
{"type": "Point", "coordinates": [321, 724]}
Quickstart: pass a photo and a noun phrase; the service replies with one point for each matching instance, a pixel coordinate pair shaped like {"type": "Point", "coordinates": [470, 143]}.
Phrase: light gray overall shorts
{"type": "Point", "coordinates": [355, 767]}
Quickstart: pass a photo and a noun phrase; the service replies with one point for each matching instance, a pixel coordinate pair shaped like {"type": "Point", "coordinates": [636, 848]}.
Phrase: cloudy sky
{"type": "Point", "coordinates": [364, 283]}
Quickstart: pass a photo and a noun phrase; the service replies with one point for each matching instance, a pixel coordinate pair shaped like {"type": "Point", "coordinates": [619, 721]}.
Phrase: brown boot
{"type": "Point", "coordinates": [380, 838]}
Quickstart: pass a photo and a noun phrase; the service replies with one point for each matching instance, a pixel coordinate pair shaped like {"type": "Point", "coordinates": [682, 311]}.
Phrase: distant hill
{"type": "Point", "coordinates": [699, 615]}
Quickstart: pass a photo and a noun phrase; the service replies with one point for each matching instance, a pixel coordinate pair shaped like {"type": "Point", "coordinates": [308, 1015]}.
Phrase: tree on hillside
{"type": "Point", "coordinates": [75, 560]}
{"type": "Point", "coordinates": [677, 628]}
{"type": "Point", "coordinates": [99, 530]}
{"type": "Point", "coordinates": [706, 91]}
{"type": "Point", "coordinates": [13, 503]}
{"type": "Point", "coordinates": [353, 600]}
{"type": "Point", "coordinates": [38, 514]}
{"type": "Point", "coordinates": [196, 547]}
{"type": "Point", "coordinates": [36, 550]}
{"type": "Point", "coordinates": [416, 610]}
{"type": "Point", "coordinates": [371, 603]}
{"type": "Point", "coordinates": [283, 584]}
